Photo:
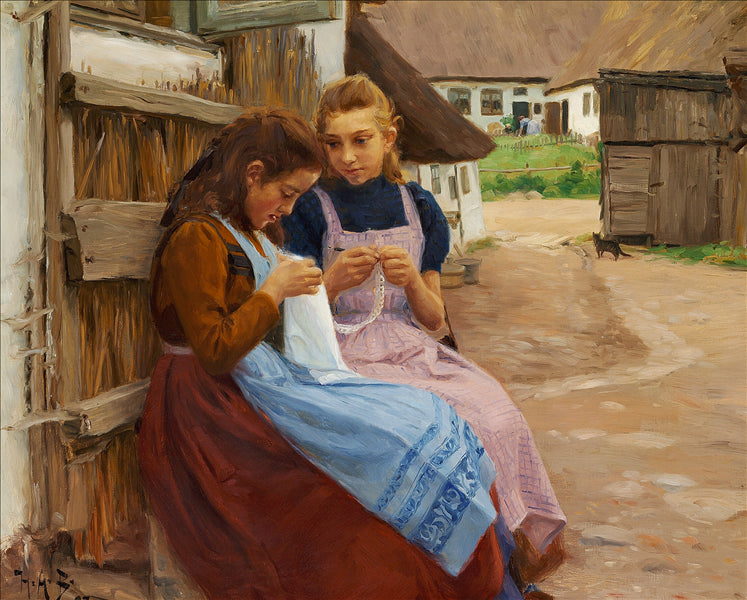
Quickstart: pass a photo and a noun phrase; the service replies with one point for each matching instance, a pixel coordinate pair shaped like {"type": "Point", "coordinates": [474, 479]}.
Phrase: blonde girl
{"type": "Point", "coordinates": [381, 243]}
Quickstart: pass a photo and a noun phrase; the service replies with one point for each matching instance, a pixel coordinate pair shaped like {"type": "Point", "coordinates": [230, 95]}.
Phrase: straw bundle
{"type": "Point", "coordinates": [273, 66]}
{"type": "Point", "coordinates": [108, 486]}
{"type": "Point", "coordinates": [119, 343]}
{"type": "Point", "coordinates": [139, 158]}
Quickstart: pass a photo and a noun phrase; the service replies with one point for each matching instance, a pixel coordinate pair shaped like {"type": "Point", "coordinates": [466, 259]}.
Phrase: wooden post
{"type": "Point", "coordinates": [35, 257]}
{"type": "Point", "coordinates": [47, 452]}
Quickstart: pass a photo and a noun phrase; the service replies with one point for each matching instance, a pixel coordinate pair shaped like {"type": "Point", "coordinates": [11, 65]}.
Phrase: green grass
{"type": "Point", "coordinates": [560, 155]}
{"type": "Point", "coordinates": [579, 182]}
{"type": "Point", "coordinates": [718, 254]}
{"type": "Point", "coordinates": [481, 244]}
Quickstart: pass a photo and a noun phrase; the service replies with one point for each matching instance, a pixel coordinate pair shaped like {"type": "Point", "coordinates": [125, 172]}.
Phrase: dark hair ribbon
{"type": "Point", "coordinates": [203, 163]}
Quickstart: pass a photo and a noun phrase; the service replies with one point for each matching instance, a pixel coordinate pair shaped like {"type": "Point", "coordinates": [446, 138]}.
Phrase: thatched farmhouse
{"type": "Point", "coordinates": [492, 59]}
{"type": "Point", "coordinates": [669, 119]}
{"type": "Point", "coordinates": [439, 146]}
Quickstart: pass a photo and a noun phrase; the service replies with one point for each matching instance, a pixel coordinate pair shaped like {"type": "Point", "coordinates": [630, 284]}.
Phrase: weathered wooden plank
{"type": "Point", "coordinates": [90, 90]}
{"type": "Point", "coordinates": [641, 188]}
{"type": "Point", "coordinates": [95, 417]}
{"type": "Point", "coordinates": [106, 412]}
{"type": "Point", "coordinates": [113, 239]}
{"type": "Point", "coordinates": [34, 12]}
{"type": "Point", "coordinates": [62, 357]}
{"type": "Point", "coordinates": [651, 114]}
{"type": "Point", "coordinates": [628, 222]}
{"type": "Point", "coordinates": [132, 9]}
{"type": "Point", "coordinates": [604, 197]}
{"type": "Point", "coordinates": [642, 152]}
{"type": "Point", "coordinates": [686, 204]}
{"type": "Point", "coordinates": [628, 165]}
{"type": "Point", "coordinates": [628, 196]}
{"type": "Point", "coordinates": [740, 218]}
{"type": "Point", "coordinates": [686, 80]}
{"type": "Point", "coordinates": [628, 188]}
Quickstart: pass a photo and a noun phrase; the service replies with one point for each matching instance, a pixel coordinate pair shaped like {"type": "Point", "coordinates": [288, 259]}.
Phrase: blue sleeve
{"type": "Point", "coordinates": [305, 227]}
{"type": "Point", "coordinates": [435, 228]}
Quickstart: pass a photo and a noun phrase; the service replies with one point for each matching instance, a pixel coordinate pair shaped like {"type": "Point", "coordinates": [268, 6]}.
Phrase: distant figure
{"type": "Point", "coordinates": [529, 126]}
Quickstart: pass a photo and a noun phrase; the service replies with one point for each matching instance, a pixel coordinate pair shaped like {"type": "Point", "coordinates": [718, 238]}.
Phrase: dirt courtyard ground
{"type": "Point", "coordinates": [633, 376]}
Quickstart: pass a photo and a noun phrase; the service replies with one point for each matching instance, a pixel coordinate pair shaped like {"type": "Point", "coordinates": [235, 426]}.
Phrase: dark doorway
{"type": "Point", "coordinates": [552, 118]}
{"type": "Point", "coordinates": [520, 109]}
{"type": "Point", "coordinates": [564, 124]}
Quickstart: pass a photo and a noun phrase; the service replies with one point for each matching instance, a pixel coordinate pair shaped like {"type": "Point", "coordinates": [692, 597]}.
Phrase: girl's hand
{"type": "Point", "coordinates": [292, 277]}
{"type": "Point", "coordinates": [398, 267]}
{"type": "Point", "coordinates": [351, 268]}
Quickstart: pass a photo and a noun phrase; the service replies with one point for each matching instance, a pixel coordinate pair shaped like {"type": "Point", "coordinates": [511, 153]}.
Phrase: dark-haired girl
{"type": "Point", "coordinates": [276, 479]}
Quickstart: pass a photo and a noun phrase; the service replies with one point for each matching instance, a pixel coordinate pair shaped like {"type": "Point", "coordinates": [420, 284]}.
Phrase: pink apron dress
{"type": "Point", "coordinates": [392, 348]}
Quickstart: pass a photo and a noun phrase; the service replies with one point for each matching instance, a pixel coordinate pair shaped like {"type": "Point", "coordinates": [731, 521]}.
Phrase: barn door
{"type": "Point", "coordinates": [552, 118]}
{"type": "Point", "coordinates": [626, 190]}
{"type": "Point", "coordinates": [684, 181]}
{"type": "Point", "coordinates": [107, 174]}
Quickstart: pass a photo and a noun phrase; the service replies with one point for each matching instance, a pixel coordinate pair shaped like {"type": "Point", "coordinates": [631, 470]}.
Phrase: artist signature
{"type": "Point", "coordinates": [42, 584]}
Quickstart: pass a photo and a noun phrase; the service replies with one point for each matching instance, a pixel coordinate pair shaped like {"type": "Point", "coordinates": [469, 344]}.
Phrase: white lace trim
{"type": "Point", "coordinates": [376, 309]}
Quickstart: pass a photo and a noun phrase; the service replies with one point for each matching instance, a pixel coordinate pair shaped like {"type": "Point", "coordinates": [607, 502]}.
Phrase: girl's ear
{"type": "Point", "coordinates": [254, 171]}
{"type": "Point", "coordinates": [390, 136]}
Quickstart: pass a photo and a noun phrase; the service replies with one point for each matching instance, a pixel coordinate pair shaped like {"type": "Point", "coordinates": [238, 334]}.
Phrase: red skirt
{"type": "Point", "coordinates": [250, 518]}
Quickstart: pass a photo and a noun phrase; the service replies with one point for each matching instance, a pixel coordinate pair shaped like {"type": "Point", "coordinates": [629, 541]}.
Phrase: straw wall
{"type": "Point", "coordinates": [122, 157]}
{"type": "Point", "coordinates": [274, 66]}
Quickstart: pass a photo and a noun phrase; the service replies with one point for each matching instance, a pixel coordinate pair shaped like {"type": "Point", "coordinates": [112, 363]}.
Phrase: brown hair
{"type": "Point", "coordinates": [280, 138]}
{"type": "Point", "coordinates": [354, 92]}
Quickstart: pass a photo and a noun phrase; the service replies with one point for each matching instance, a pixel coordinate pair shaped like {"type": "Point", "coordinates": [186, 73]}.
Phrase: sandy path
{"type": "Point", "coordinates": [633, 377]}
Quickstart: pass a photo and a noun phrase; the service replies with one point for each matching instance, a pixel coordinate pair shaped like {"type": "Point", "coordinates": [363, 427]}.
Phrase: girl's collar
{"type": "Point", "coordinates": [372, 184]}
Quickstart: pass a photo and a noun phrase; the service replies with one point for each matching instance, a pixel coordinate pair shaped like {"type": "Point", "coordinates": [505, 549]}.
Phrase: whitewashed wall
{"type": "Point", "coordinates": [468, 203]}
{"type": "Point", "coordinates": [20, 121]}
{"type": "Point", "coordinates": [534, 95]}
{"type": "Point", "coordinates": [135, 60]}
{"type": "Point", "coordinates": [139, 61]}
{"type": "Point", "coordinates": [577, 122]}
{"type": "Point", "coordinates": [329, 43]}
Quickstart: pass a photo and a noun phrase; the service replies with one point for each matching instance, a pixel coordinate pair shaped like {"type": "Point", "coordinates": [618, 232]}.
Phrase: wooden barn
{"type": "Point", "coordinates": [667, 119]}
{"type": "Point", "coordinates": [106, 104]}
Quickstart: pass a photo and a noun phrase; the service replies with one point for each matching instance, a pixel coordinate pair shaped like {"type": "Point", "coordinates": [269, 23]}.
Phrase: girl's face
{"type": "Point", "coordinates": [266, 202]}
{"type": "Point", "coordinates": [356, 146]}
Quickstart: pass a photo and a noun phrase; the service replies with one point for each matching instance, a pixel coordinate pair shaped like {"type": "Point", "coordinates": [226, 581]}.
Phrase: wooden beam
{"type": "Point", "coordinates": [90, 90]}
{"type": "Point", "coordinates": [95, 417]}
{"type": "Point", "coordinates": [113, 240]}
{"type": "Point", "coordinates": [106, 412]}
{"type": "Point", "coordinates": [684, 80]}
{"type": "Point", "coordinates": [63, 357]}
{"type": "Point", "coordinates": [34, 12]}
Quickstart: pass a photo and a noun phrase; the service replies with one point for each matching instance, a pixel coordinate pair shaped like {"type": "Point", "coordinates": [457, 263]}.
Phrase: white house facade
{"type": "Point", "coordinates": [583, 108]}
{"type": "Point", "coordinates": [456, 188]}
{"type": "Point", "coordinates": [573, 110]}
{"type": "Point", "coordinates": [22, 181]}
{"type": "Point", "coordinates": [486, 102]}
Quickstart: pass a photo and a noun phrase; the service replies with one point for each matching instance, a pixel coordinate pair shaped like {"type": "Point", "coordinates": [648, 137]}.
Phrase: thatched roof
{"type": "Point", "coordinates": [655, 36]}
{"type": "Point", "coordinates": [494, 40]}
{"type": "Point", "coordinates": [434, 131]}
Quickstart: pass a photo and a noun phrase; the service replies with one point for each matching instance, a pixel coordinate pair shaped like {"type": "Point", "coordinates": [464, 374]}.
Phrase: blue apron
{"type": "Point", "coordinates": [402, 452]}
